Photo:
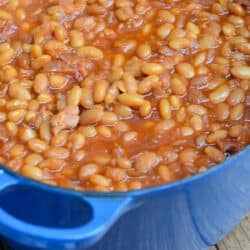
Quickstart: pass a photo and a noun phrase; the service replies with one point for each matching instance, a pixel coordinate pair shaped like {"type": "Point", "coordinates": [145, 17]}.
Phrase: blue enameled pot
{"type": "Point", "coordinates": [191, 214]}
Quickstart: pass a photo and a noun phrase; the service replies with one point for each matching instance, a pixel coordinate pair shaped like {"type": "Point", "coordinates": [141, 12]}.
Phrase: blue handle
{"type": "Point", "coordinates": [105, 211]}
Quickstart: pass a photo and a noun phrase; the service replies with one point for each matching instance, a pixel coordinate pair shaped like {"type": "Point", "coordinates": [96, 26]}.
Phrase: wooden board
{"type": "Point", "coordinates": [238, 239]}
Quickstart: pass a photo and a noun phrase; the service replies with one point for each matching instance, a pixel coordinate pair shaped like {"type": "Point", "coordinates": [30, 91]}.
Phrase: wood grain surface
{"type": "Point", "coordinates": [238, 239]}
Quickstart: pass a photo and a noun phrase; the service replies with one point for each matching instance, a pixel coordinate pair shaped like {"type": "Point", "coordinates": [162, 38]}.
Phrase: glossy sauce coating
{"type": "Point", "coordinates": [114, 95]}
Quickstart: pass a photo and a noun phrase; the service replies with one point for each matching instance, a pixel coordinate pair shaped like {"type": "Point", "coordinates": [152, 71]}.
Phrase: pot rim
{"type": "Point", "coordinates": [140, 192]}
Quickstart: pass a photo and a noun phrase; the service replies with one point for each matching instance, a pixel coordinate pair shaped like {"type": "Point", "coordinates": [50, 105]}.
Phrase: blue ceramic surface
{"type": "Point", "coordinates": [192, 214]}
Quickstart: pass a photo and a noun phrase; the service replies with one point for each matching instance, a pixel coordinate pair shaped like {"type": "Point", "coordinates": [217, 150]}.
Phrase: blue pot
{"type": "Point", "coordinates": [191, 214]}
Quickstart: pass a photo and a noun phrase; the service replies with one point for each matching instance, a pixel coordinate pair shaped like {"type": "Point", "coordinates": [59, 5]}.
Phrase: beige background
{"type": "Point", "coordinates": [238, 239]}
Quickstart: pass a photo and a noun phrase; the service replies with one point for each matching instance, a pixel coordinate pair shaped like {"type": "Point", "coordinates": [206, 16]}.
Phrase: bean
{"type": "Point", "coordinates": [109, 118]}
{"type": "Point", "coordinates": [164, 30]}
{"type": "Point", "coordinates": [97, 179]}
{"type": "Point", "coordinates": [88, 170]}
{"type": "Point", "coordinates": [33, 159]}
{"type": "Point", "coordinates": [197, 109]}
{"type": "Point", "coordinates": [37, 145]}
{"type": "Point", "coordinates": [104, 131]}
{"type": "Point", "coordinates": [57, 81]}
{"type": "Point", "coordinates": [237, 112]}
{"type": "Point", "coordinates": [124, 163]}
{"type": "Point", "coordinates": [166, 16]}
{"type": "Point", "coordinates": [236, 9]}
{"type": "Point", "coordinates": [220, 94]}
{"type": "Point", "coordinates": [57, 153]}
{"type": "Point", "coordinates": [91, 52]}
{"type": "Point", "coordinates": [76, 38]}
{"type": "Point", "coordinates": [123, 110]}
{"type": "Point", "coordinates": [100, 91]}
{"type": "Point", "coordinates": [214, 154]}
{"type": "Point", "coordinates": [87, 98]}
{"type": "Point", "coordinates": [186, 70]}
{"type": "Point", "coordinates": [179, 43]}
{"type": "Point", "coordinates": [59, 139]}
{"type": "Point", "coordinates": [188, 156]}
{"type": "Point", "coordinates": [178, 85]}
{"type": "Point", "coordinates": [144, 51]}
{"type": "Point", "coordinates": [236, 96]}
{"type": "Point", "coordinates": [91, 116]}
{"type": "Point", "coordinates": [17, 150]}
{"type": "Point", "coordinates": [145, 109]}
{"type": "Point", "coordinates": [32, 172]}
{"type": "Point", "coordinates": [165, 109]}
{"type": "Point", "coordinates": [152, 68]}
{"type": "Point", "coordinates": [131, 100]}
{"type": "Point", "coordinates": [165, 173]}
{"type": "Point", "coordinates": [6, 56]}
{"type": "Point", "coordinates": [88, 131]}
{"type": "Point", "coordinates": [74, 96]}
{"type": "Point", "coordinates": [228, 29]}
{"type": "Point", "coordinates": [146, 161]}
{"type": "Point", "coordinates": [26, 133]}
{"type": "Point", "coordinates": [17, 91]}
{"type": "Point", "coordinates": [116, 174]}
{"type": "Point", "coordinates": [241, 72]}
{"type": "Point", "coordinates": [222, 111]}
{"type": "Point", "coordinates": [41, 83]}
{"type": "Point", "coordinates": [135, 185]}
{"type": "Point", "coordinates": [217, 136]}
{"type": "Point", "coordinates": [235, 130]}
{"type": "Point", "coordinates": [196, 122]}
{"type": "Point", "coordinates": [16, 116]}
{"type": "Point", "coordinates": [147, 84]}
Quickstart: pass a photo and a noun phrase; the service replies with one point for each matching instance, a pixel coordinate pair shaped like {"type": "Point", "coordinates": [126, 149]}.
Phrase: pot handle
{"type": "Point", "coordinates": [105, 210]}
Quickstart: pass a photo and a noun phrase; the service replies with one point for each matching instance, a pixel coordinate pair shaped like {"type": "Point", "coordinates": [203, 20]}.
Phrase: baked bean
{"type": "Point", "coordinates": [32, 172]}
{"type": "Point", "coordinates": [76, 38]}
{"type": "Point", "coordinates": [241, 72]}
{"type": "Point", "coordinates": [144, 51]}
{"type": "Point", "coordinates": [235, 130]}
{"type": "Point", "coordinates": [178, 85]}
{"type": "Point", "coordinates": [100, 180]}
{"type": "Point", "coordinates": [146, 161]}
{"type": "Point", "coordinates": [87, 98]}
{"type": "Point", "coordinates": [41, 83]}
{"type": "Point", "coordinates": [186, 70]}
{"type": "Point", "coordinates": [217, 136]}
{"type": "Point", "coordinates": [165, 109]}
{"type": "Point", "coordinates": [121, 95]}
{"type": "Point", "coordinates": [37, 145]}
{"type": "Point", "coordinates": [145, 109]}
{"type": "Point", "coordinates": [123, 110]}
{"type": "Point", "coordinates": [219, 94]}
{"type": "Point", "coordinates": [188, 156]}
{"type": "Point", "coordinates": [237, 112]}
{"type": "Point", "coordinates": [91, 116]}
{"type": "Point", "coordinates": [116, 174]}
{"type": "Point", "coordinates": [214, 154]}
{"type": "Point", "coordinates": [222, 111]}
{"type": "Point", "coordinates": [109, 118]}
{"type": "Point", "coordinates": [100, 90]}
{"type": "Point", "coordinates": [165, 173]}
{"type": "Point", "coordinates": [17, 91]}
{"type": "Point", "coordinates": [179, 43]}
{"type": "Point", "coordinates": [91, 52]}
{"type": "Point", "coordinates": [57, 153]}
{"type": "Point", "coordinates": [152, 68]}
{"type": "Point", "coordinates": [88, 170]}
{"type": "Point", "coordinates": [131, 100]}
{"type": "Point", "coordinates": [57, 81]}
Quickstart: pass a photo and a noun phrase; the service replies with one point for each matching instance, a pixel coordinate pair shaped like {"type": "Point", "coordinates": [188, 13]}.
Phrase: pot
{"type": "Point", "coordinates": [191, 214]}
